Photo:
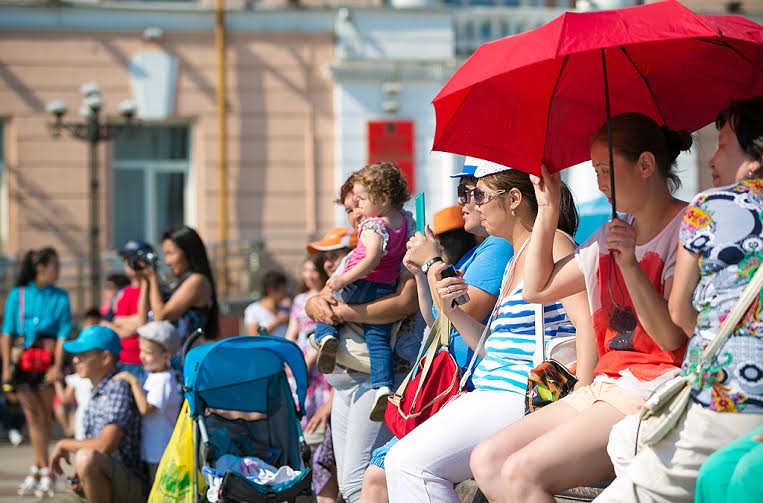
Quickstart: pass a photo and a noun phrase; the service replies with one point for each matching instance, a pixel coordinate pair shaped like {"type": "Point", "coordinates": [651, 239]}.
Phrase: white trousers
{"type": "Point", "coordinates": [426, 464]}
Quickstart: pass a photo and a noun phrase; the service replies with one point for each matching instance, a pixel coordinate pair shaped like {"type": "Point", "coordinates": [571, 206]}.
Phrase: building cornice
{"type": "Point", "coordinates": [178, 18]}
{"type": "Point", "coordinates": [378, 70]}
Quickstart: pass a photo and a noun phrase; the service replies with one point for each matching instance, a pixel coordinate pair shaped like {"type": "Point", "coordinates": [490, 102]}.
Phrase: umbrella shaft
{"type": "Point", "coordinates": [609, 135]}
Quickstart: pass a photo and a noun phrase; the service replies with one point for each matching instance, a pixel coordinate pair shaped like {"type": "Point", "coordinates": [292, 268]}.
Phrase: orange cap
{"type": "Point", "coordinates": [448, 219]}
{"type": "Point", "coordinates": [335, 239]}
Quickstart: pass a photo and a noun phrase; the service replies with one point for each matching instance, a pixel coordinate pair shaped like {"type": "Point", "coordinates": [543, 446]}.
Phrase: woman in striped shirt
{"type": "Point", "coordinates": [425, 465]}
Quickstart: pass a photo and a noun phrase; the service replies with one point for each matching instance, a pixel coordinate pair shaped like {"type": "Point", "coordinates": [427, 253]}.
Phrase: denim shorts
{"type": "Point", "coordinates": [380, 454]}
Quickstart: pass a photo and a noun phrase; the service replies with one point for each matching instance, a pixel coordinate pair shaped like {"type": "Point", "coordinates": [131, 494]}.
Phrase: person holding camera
{"type": "Point", "coordinates": [192, 303]}
{"type": "Point", "coordinates": [37, 312]}
{"type": "Point", "coordinates": [126, 318]}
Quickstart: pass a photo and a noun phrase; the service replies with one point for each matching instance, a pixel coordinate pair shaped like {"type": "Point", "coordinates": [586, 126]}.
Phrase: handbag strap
{"type": "Point", "coordinates": [540, 355]}
{"type": "Point", "coordinates": [21, 311]}
{"type": "Point", "coordinates": [439, 337]}
{"type": "Point", "coordinates": [486, 331]}
{"type": "Point", "coordinates": [751, 291]}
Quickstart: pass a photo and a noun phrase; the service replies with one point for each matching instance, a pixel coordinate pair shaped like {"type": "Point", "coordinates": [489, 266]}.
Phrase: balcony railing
{"type": "Point", "coordinates": [476, 25]}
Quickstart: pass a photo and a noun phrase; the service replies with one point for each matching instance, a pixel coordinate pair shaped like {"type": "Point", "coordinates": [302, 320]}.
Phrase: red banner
{"type": "Point", "coordinates": [393, 141]}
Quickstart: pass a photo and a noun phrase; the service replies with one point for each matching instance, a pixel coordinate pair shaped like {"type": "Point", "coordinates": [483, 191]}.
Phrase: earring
{"type": "Point", "coordinates": [513, 213]}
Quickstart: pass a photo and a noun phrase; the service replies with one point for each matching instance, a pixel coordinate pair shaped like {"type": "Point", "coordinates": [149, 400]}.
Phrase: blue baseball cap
{"type": "Point", "coordinates": [134, 247]}
{"type": "Point", "coordinates": [470, 166]}
{"type": "Point", "coordinates": [95, 337]}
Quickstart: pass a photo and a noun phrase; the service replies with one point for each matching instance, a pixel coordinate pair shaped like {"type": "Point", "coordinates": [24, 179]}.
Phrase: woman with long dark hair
{"type": "Point", "coordinates": [192, 303]}
{"type": "Point", "coordinates": [38, 312]}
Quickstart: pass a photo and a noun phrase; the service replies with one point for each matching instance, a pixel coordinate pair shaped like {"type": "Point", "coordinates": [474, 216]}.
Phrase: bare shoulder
{"type": "Point", "coordinates": [564, 244]}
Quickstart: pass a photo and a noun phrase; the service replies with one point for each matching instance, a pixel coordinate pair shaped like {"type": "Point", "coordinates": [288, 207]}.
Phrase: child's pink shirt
{"type": "Point", "coordinates": [393, 249]}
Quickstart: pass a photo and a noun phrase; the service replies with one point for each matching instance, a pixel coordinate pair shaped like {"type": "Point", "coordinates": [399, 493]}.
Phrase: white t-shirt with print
{"type": "Point", "coordinates": [82, 390]}
{"type": "Point", "coordinates": [163, 392]}
{"type": "Point", "coordinates": [257, 313]}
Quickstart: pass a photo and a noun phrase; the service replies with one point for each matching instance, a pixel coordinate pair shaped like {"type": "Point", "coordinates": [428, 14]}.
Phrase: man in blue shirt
{"type": "Point", "coordinates": [107, 463]}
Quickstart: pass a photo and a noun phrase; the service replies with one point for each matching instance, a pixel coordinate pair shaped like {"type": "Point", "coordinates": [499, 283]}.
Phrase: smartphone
{"type": "Point", "coordinates": [421, 218]}
{"type": "Point", "coordinates": [450, 272]}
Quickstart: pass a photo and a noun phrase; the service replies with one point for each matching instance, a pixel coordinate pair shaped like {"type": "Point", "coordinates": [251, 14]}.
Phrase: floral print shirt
{"type": "Point", "coordinates": [724, 227]}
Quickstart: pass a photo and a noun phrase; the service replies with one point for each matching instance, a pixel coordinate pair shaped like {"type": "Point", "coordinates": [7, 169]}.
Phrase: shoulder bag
{"type": "Point", "coordinates": [551, 379]}
{"type": "Point", "coordinates": [430, 384]}
{"type": "Point", "coordinates": [38, 357]}
{"type": "Point", "coordinates": [665, 408]}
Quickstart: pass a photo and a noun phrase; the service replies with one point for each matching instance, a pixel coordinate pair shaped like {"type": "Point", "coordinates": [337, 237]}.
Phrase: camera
{"type": "Point", "coordinates": [142, 259]}
{"type": "Point", "coordinates": [450, 272]}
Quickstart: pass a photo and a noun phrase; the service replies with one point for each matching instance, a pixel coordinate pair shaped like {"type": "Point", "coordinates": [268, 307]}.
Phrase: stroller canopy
{"type": "Point", "coordinates": [232, 374]}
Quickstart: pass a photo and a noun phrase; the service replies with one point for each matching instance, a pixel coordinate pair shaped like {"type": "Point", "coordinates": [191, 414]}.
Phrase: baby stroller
{"type": "Point", "coordinates": [239, 397]}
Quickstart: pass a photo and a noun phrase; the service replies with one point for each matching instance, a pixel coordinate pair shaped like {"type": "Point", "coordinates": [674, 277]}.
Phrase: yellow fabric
{"type": "Point", "coordinates": [174, 477]}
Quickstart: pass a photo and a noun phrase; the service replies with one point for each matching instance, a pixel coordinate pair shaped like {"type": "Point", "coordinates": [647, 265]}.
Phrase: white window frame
{"type": "Point", "coordinates": [150, 167]}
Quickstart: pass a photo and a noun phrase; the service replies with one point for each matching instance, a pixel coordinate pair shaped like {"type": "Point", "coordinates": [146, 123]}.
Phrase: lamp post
{"type": "Point", "coordinates": [93, 131]}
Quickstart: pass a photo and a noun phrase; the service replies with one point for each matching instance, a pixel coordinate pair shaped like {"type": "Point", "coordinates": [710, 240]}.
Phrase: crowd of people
{"type": "Point", "coordinates": [643, 297]}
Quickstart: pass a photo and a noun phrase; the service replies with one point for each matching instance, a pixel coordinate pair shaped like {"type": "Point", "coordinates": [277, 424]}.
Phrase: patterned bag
{"type": "Point", "coordinates": [551, 379]}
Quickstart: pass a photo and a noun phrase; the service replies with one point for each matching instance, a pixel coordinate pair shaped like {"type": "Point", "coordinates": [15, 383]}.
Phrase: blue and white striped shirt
{"type": "Point", "coordinates": [510, 345]}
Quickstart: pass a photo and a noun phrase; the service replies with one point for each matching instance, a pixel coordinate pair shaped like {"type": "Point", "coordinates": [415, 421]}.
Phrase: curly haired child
{"type": "Point", "coordinates": [372, 271]}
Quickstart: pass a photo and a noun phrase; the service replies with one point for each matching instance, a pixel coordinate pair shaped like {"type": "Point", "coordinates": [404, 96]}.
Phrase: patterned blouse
{"type": "Point", "coordinates": [724, 227]}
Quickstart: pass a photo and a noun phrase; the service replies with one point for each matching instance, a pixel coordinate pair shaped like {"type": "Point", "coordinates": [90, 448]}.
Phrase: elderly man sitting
{"type": "Point", "coordinates": [107, 463]}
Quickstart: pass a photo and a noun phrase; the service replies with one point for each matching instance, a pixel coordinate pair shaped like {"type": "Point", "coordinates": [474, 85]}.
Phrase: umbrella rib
{"type": "Point", "coordinates": [553, 95]}
{"type": "Point", "coordinates": [725, 44]}
{"type": "Point", "coordinates": [646, 83]}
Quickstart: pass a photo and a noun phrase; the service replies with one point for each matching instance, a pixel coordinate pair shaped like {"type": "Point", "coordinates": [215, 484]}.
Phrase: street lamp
{"type": "Point", "coordinates": [92, 131]}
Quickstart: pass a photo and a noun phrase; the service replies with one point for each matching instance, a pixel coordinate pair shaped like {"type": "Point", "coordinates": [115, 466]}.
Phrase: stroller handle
{"type": "Point", "coordinates": [190, 341]}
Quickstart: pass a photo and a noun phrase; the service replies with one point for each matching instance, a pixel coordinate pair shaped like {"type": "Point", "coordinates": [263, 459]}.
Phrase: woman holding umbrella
{"type": "Point", "coordinates": [626, 268]}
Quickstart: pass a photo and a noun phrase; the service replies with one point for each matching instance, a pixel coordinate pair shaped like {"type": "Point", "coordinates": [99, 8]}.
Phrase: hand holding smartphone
{"type": "Point", "coordinates": [450, 272]}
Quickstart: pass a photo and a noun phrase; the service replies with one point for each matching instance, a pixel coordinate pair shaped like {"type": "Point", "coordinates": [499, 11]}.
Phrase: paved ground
{"type": "Point", "coordinates": [14, 464]}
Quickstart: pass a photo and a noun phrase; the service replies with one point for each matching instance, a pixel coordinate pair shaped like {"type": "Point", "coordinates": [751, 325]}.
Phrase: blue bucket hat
{"type": "Point", "coordinates": [95, 337]}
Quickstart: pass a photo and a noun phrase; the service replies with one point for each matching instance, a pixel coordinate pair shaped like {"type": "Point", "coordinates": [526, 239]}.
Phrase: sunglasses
{"type": "Point", "coordinates": [481, 198]}
{"type": "Point", "coordinates": [463, 194]}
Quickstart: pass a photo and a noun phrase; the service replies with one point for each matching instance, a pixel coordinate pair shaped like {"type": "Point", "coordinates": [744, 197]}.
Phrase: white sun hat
{"type": "Point", "coordinates": [485, 168]}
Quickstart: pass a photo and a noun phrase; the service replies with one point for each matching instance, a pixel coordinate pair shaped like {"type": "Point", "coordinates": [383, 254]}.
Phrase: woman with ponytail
{"type": "Point", "coordinates": [626, 268]}
{"type": "Point", "coordinates": [39, 313]}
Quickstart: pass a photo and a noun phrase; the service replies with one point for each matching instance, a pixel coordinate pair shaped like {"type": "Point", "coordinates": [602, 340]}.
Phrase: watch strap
{"type": "Point", "coordinates": [429, 263]}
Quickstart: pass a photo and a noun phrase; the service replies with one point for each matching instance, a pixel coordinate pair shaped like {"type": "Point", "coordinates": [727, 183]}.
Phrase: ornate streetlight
{"type": "Point", "coordinates": [93, 131]}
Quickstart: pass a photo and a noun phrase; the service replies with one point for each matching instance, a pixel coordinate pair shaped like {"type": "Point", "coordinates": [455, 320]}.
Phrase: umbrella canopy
{"type": "Point", "coordinates": [539, 97]}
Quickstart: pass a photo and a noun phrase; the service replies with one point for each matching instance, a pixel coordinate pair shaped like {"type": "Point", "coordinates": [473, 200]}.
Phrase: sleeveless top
{"type": "Point", "coordinates": [393, 249]}
{"type": "Point", "coordinates": [510, 345]}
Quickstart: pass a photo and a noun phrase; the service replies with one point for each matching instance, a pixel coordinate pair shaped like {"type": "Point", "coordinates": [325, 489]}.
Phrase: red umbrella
{"type": "Point", "coordinates": [538, 97]}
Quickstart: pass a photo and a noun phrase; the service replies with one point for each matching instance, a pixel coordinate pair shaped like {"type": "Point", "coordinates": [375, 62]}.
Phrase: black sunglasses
{"type": "Point", "coordinates": [463, 194]}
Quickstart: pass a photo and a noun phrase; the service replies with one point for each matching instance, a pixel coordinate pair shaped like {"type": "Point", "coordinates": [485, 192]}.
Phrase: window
{"type": "Point", "coordinates": [150, 182]}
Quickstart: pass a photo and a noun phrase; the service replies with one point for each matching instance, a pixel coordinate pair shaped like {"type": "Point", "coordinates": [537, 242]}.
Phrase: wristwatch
{"type": "Point", "coordinates": [429, 263]}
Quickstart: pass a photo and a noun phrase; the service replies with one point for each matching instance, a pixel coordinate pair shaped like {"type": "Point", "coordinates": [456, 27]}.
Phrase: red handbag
{"type": "Point", "coordinates": [39, 356]}
{"type": "Point", "coordinates": [428, 387]}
